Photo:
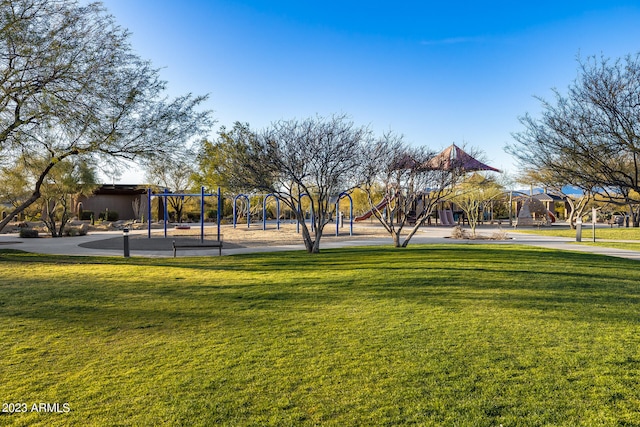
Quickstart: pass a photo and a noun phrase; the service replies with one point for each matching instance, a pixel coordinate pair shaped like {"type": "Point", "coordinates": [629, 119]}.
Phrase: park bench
{"type": "Point", "coordinates": [206, 245]}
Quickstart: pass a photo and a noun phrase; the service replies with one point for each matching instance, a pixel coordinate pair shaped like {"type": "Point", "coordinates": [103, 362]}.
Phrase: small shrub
{"type": "Point", "coordinates": [212, 214]}
{"type": "Point", "coordinates": [109, 216]}
{"type": "Point", "coordinates": [86, 215]}
{"type": "Point", "coordinates": [76, 230]}
{"type": "Point", "coordinates": [500, 235]}
{"type": "Point", "coordinates": [459, 233]}
{"type": "Point", "coordinates": [28, 233]}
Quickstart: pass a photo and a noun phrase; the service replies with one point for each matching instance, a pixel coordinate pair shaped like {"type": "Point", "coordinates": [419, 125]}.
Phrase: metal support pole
{"type": "Point", "coordinates": [248, 212]}
{"type": "Point", "coordinates": [338, 216]}
{"type": "Point", "coordinates": [166, 211]}
{"type": "Point", "coordinates": [149, 213]}
{"type": "Point", "coordinates": [264, 212]}
{"type": "Point", "coordinates": [351, 218]}
{"type": "Point", "coordinates": [202, 214]}
{"type": "Point", "coordinates": [219, 214]}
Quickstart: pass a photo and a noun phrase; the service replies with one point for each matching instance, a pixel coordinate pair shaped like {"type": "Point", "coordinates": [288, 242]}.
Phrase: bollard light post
{"type": "Point", "coordinates": [125, 237]}
{"type": "Point", "coordinates": [579, 230]}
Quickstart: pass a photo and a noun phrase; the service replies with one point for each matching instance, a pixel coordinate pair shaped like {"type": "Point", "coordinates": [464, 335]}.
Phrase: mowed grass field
{"type": "Point", "coordinates": [606, 233]}
{"type": "Point", "coordinates": [467, 335]}
{"type": "Point", "coordinates": [611, 237]}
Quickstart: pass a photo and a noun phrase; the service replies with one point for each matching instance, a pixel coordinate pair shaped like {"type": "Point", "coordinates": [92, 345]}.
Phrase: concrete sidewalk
{"type": "Point", "coordinates": [71, 245]}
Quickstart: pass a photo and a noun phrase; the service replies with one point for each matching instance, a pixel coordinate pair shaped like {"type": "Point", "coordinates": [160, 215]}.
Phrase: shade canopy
{"type": "Point", "coordinates": [454, 157]}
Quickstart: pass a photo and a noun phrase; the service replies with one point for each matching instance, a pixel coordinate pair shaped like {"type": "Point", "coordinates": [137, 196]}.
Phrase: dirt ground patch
{"type": "Point", "coordinates": [286, 235]}
{"type": "Point", "coordinates": [239, 237]}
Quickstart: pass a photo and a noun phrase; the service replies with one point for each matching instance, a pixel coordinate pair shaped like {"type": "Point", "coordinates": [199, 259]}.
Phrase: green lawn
{"type": "Point", "coordinates": [615, 233]}
{"type": "Point", "coordinates": [616, 237]}
{"type": "Point", "coordinates": [467, 335]}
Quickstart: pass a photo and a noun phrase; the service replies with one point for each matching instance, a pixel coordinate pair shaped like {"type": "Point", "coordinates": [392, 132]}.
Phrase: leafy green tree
{"type": "Point", "coordinates": [176, 174]}
{"type": "Point", "coordinates": [472, 194]}
{"type": "Point", "coordinates": [70, 179]}
{"type": "Point", "coordinates": [66, 182]}
{"type": "Point", "coordinates": [73, 87]}
{"type": "Point", "coordinates": [217, 159]}
{"type": "Point", "coordinates": [14, 183]}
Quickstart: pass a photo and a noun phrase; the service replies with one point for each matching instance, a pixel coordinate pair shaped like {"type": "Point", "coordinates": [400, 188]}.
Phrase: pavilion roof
{"type": "Point", "coordinates": [454, 157]}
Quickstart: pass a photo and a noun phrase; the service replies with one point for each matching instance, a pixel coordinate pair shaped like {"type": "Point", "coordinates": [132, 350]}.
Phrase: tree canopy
{"type": "Point", "coordinates": [72, 86]}
{"type": "Point", "coordinates": [312, 160]}
{"type": "Point", "coordinates": [413, 180]}
{"type": "Point", "coordinates": [590, 136]}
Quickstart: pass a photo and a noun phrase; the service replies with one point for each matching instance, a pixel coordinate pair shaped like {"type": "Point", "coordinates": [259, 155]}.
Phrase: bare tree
{"type": "Point", "coordinates": [313, 160]}
{"type": "Point", "coordinates": [413, 181]}
{"type": "Point", "coordinates": [72, 87]}
{"type": "Point", "coordinates": [552, 182]}
{"type": "Point", "coordinates": [590, 137]}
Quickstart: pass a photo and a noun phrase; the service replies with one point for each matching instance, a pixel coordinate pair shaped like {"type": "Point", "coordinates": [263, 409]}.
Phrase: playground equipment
{"type": "Point", "coordinates": [265, 199]}
{"type": "Point", "coordinates": [446, 217]}
{"type": "Point", "coordinates": [264, 211]}
{"type": "Point", "coordinates": [202, 195]}
{"type": "Point", "coordinates": [338, 220]}
{"type": "Point", "coordinates": [313, 218]}
{"type": "Point", "coordinates": [379, 206]}
{"type": "Point", "coordinates": [235, 216]}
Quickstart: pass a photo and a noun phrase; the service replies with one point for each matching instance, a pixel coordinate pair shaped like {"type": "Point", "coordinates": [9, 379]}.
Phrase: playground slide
{"type": "Point", "coordinates": [446, 217]}
{"type": "Point", "coordinates": [367, 215]}
{"type": "Point", "coordinates": [449, 214]}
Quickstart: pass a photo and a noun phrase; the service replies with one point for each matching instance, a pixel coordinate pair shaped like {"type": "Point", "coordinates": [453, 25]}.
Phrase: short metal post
{"type": "Point", "coordinates": [125, 237]}
{"type": "Point", "coordinates": [578, 230]}
{"type": "Point", "coordinates": [594, 217]}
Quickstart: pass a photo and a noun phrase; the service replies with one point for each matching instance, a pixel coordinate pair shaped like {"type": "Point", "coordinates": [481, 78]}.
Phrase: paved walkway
{"type": "Point", "coordinates": [109, 243]}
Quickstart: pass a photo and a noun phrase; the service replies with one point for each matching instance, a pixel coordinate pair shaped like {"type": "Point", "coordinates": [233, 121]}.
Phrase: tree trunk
{"type": "Point", "coordinates": [633, 216]}
{"type": "Point", "coordinates": [396, 239]}
{"type": "Point", "coordinates": [315, 249]}
{"type": "Point", "coordinates": [420, 220]}
{"type": "Point", "coordinates": [407, 239]}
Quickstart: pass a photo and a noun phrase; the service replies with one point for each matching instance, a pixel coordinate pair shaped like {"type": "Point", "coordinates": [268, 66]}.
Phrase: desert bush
{"type": "Point", "coordinates": [499, 235]}
{"type": "Point", "coordinates": [76, 230]}
{"type": "Point", "coordinates": [459, 233]}
{"type": "Point", "coordinates": [28, 233]}
{"type": "Point", "coordinates": [86, 215]}
{"type": "Point", "coordinates": [109, 216]}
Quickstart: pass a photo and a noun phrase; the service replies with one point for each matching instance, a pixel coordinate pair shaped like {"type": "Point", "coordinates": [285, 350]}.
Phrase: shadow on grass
{"type": "Point", "coordinates": [544, 282]}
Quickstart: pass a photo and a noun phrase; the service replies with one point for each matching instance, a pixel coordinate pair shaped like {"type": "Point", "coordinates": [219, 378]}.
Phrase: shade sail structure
{"type": "Point", "coordinates": [454, 157]}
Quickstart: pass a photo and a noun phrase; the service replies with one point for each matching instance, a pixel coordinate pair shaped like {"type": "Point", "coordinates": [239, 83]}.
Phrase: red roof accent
{"type": "Point", "coordinates": [454, 157]}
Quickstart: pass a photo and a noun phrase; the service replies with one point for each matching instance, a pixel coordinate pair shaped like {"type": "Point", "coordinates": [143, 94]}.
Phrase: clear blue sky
{"type": "Point", "coordinates": [437, 72]}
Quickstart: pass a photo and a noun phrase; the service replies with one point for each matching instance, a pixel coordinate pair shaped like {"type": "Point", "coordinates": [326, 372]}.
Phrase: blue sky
{"type": "Point", "coordinates": [437, 72]}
